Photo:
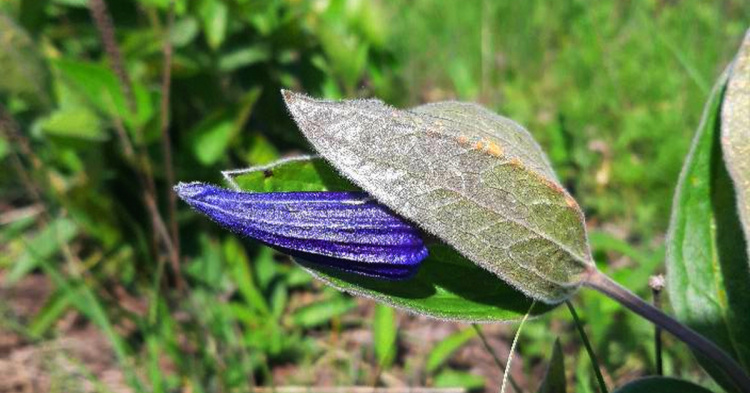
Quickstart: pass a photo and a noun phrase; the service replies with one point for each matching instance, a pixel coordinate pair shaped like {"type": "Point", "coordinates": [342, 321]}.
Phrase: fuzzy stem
{"type": "Point", "coordinates": [589, 349]}
{"type": "Point", "coordinates": [498, 362]}
{"type": "Point", "coordinates": [701, 345]}
{"type": "Point", "coordinates": [657, 284]}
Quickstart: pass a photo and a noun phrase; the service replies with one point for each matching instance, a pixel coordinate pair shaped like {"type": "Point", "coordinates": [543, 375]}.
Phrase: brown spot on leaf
{"type": "Point", "coordinates": [494, 149]}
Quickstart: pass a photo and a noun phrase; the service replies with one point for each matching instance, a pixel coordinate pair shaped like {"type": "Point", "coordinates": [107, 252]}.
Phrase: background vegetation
{"type": "Point", "coordinates": [90, 298]}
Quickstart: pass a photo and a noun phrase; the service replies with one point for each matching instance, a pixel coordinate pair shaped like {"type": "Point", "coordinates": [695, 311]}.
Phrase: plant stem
{"type": "Point", "coordinates": [589, 348]}
{"type": "Point", "coordinates": [166, 145]}
{"type": "Point", "coordinates": [513, 347]}
{"type": "Point", "coordinates": [656, 283]}
{"type": "Point", "coordinates": [498, 362]}
{"type": "Point", "coordinates": [701, 345]}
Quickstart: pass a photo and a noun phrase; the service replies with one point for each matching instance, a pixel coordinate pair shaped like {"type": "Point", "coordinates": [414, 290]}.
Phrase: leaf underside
{"type": "Point", "coordinates": [706, 252]}
{"type": "Point", "coordinates": [475, 180]}
{"type": "Point", "coordinates": [447, 286]}
{"type": "Point", "coordinates": [735, 132]}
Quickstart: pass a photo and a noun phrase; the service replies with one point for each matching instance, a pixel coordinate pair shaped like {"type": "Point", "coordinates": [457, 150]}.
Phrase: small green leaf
{"type": "Point", "coordinates": [445, 348]}
{"type": "Point", "coordinates": [23, 71]}
{"type": "Point", "coordinates": [384, 334]}
{"type": "Point", "coordinates": [102, 89]}
{"type": "Point", "coordinates": [239, 266]}
{"type": "Point", "coordinates": [296, 174]}
{"type": "Point", "coordinates": [4, 147]}
{"type": "Point", "coordinates": [41, 247]}
{"type": "Point", "coordinates": [52, 310]}
{"type": "Point", "coordinates": [215, 19]}
{"type": "Point", "coordinates": [554, 379]}
{"type": "Point", "coordinates": [260, 150]}
{"type": "Point", "coordinates": [453, 378]}
{"type": "Point", "coordinates": [706, 259]}
{"type": "Point", "coordinates": [243, 57]}
{"type": "Point", "coordinates": [477, 181]}
{"type": "Point", "coordinates": [74, 122]}
{"type": "Point", "coordinates": [321, 312]}
{"type": "Point", "coordinates": [447, 285]}
{"type": "Point", "coordinates": [212, 137]}
{"type": "Point", "coordinates": [735, 132]}
{"type": "Point", "coordinates": [661, 385]}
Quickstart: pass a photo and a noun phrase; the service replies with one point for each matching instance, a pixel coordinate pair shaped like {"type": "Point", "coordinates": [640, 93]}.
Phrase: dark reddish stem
{"type": "Point", "coordinates": [701, 345]}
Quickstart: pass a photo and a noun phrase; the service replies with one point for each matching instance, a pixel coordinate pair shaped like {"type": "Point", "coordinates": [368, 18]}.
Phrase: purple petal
{"type": "Point", "coordinates": [344, 230]}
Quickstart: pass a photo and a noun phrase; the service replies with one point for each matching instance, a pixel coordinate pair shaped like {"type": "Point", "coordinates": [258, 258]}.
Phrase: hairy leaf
{"type": "Point", "coordinates": [706, 259]}
{"type": "Point", "coordinates": [447, 286]}
{"type": "Point", "coordinates": [474, 179]}
{"type": "Point", "coordinates": [735, 132]}
{"type": "Point", "coordinates": [661, 385]}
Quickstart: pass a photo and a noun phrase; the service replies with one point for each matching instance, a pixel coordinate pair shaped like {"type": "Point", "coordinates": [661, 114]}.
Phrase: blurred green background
{"type": "Point", "coordinates": [89, 300]}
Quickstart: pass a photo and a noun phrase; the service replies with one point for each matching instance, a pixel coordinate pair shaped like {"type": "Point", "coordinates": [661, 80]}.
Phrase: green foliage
{"type": "Point", "coordinates": [463, 379]}
{"type": "Point", "coordinates": [443, 350]}
{"type": "Point", "coordinates": [384, 335]}
{"type": "Point", "coordinates": [706, 247]}
{"type": "Point", "coordinates": [610, 89]}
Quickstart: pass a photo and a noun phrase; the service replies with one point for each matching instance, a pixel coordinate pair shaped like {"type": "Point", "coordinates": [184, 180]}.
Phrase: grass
{"type": "Point", "coordinates": [612, 90]}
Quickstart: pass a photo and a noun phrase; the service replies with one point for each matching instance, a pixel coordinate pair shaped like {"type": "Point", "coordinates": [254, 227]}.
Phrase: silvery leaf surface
{"type": "Point", "coordinates": [735, 131]}
{"type": "Point", "coordinates": [474, 179]}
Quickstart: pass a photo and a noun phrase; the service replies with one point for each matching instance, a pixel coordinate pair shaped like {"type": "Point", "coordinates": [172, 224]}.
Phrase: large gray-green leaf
{"type": "Point", "coordinates": [447, 286]}
{"type": "Point", "coordinates": [735, 131]}
{"type": "Point", "coordinates": [475, 180]}
{"type": "Point", "coordinates": [707, 262]}
{"type": "Point", "coordinates": [661, 385]}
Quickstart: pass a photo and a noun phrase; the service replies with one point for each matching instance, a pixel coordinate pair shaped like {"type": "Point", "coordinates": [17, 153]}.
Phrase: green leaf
{"type": "Point", "coordinates": [735, 132]}
{"type": "Point", "coordinates": [447, 285]}
{"type": "Point", "coordinates": [453, 378]}
{"type": "Point", "coordinates": [23, 71]}
{"type": "Point", "coordinates": [260, 150]}
{"type": "Point", "coordinates": [243, 57]}
{"type": "Point", "coordinates": [706, 253]}
{"type": "Point", "coordinates": [215, 19]}
{"type": "Point", "coordinates": [41, 247]}
{"type": "Point", "coordinates": [102, 89]}
{"type": "Point", "coordinates": [74, 122]}
{"type": "Point", "coordinates": [321, 312]}
{"type": "Point", "coordinates": [4, 147]}
{"type": "Point", "coordinates": [384, 334]}
{"type": "Point", "coordinates": [239, 266]}
{"type": "Point", "coordinates": [212, 136]}
{"type": "Point", "coordinates": [296, 174]}
{"type": "Point", "coordinates": [554, 379]}
{"type": "Point", "coordinates": [661, 385]}
{"type": "Point", "coordinates": [54, 308]}
{"type": "Point", "coordinates": [474, 179]}
{"type": "Point", "coordinates": [445, 348]}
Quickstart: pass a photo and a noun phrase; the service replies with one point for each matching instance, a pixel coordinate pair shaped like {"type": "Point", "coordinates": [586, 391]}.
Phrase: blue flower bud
{"type": "Point", "coordinates": [344, 230]}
